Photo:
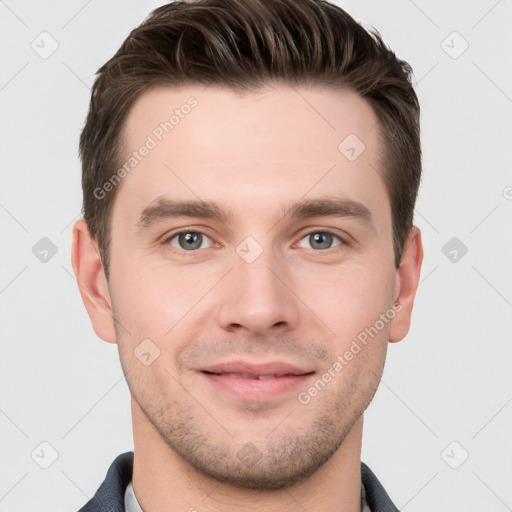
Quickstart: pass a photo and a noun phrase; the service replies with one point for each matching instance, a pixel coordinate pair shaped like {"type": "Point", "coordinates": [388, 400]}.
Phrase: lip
{"type": "Point", "coordinates": [256, 369]}
{"type": "Point", "coordinates": [241, 379]}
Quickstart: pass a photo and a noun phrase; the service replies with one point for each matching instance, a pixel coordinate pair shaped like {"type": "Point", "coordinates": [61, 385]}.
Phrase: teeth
{"type": "Point", "coordinates": [235, 375]}
{"type": "Point", "coordinates": [247, 376]}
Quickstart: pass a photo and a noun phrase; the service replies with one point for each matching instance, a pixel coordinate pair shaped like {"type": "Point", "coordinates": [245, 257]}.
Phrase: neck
{"type": "Point", "coordinates": [162, 480]}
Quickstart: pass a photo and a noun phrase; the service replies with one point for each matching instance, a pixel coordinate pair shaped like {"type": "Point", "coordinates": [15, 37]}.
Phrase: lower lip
{"type": "Point", "coordinates": [255, 389]}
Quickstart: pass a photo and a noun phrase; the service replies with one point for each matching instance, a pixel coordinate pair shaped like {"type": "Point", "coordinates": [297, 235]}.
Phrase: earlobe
{"type": "Point", "coordinates": [92, 283]}
{"type": "Point", "coordinates": [406, 283]}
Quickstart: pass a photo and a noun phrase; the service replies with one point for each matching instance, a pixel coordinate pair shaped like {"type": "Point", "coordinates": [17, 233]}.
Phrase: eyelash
{"type": "Point", "coordinates": [193, 253]}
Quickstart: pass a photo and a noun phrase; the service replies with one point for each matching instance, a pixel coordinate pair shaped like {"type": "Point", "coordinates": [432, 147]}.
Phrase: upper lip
{"type": "Point", "coordinates": [256, 369]}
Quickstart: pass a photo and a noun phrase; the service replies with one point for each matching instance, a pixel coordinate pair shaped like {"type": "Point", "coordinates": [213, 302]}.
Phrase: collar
{"type": "Point", "coordinates": [131, 503]}
{"type": "Point", "coordinates": [111, 494]}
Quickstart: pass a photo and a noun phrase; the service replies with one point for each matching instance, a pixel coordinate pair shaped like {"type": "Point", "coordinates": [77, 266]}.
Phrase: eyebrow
{"type": "Point", "coordinates": [165, 208]}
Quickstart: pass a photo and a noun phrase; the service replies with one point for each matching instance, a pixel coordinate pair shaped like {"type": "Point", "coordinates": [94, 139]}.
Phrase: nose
{"type": "Point", "coordinates": [258, 298]}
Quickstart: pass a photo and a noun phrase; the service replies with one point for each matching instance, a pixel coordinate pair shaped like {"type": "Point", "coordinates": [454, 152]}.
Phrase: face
{"type": "Point", "coordinates": [251, 252]}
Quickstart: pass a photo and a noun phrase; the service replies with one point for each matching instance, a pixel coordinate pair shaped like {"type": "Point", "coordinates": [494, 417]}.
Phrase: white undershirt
{"type": "Point", "coordinates": [130, 501]}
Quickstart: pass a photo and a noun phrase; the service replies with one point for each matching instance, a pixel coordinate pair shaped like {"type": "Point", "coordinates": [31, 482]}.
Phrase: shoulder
{"type": "Point", "coordinates": [376, 496]}
{"type": "Point", "coordinates": [110, 495]}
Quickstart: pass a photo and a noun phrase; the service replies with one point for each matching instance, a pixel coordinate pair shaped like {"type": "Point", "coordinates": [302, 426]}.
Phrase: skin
{"type": "Point", "coordinates": [253, 155]}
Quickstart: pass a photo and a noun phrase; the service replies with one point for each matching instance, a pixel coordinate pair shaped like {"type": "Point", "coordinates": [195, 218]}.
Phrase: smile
{"type": "Point", "coordinates": [256, 382]}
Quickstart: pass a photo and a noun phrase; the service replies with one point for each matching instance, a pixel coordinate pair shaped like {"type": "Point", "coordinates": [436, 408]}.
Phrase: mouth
{"type": "Point", "coordinates": [256, 382]}
{"type": "Point", "coordinates": [258, 377]}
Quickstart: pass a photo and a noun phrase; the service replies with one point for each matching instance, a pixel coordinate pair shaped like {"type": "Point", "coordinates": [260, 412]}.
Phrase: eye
{"type": "Point", "coordinates": [189, 240]}
{"type": "Point", "coordinates": [320, 240]}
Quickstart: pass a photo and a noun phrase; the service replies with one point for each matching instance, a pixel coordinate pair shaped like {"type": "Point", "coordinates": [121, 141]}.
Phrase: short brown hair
{"type": "Point", "coordinates": [241, 45]}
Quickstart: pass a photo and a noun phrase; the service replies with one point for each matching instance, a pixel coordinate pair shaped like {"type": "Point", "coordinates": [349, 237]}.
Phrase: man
{"type": "Point", "coordinates": [250, 169]}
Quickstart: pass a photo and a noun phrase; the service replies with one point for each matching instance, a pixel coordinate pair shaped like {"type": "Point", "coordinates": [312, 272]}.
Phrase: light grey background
{"type": "Point", "coordinates": [449, 381]}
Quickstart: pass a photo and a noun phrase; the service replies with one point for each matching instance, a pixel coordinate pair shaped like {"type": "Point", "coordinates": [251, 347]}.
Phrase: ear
{"type": "Point", "coordinates": [92, 282]}
{"type": "Point", "coordinates": [406, 284]}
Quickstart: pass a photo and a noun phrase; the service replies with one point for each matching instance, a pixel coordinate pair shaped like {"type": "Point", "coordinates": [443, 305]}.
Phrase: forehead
{"type": "Point", "coordinates": [214, 113]}
{"type": "Point", "coordinates": [260, 149]}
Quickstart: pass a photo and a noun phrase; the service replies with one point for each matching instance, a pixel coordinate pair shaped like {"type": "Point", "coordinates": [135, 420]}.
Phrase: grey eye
{"type": "Point", "coordinates": [189, 240]}
{"type": "Point", "coordinates": [320, 240]}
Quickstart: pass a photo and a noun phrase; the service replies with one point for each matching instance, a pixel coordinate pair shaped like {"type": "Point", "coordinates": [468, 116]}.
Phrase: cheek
{"type": "Point", "coordinates": [350, 299]}
{"type": "Point", "coordinates": [150, 301]}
